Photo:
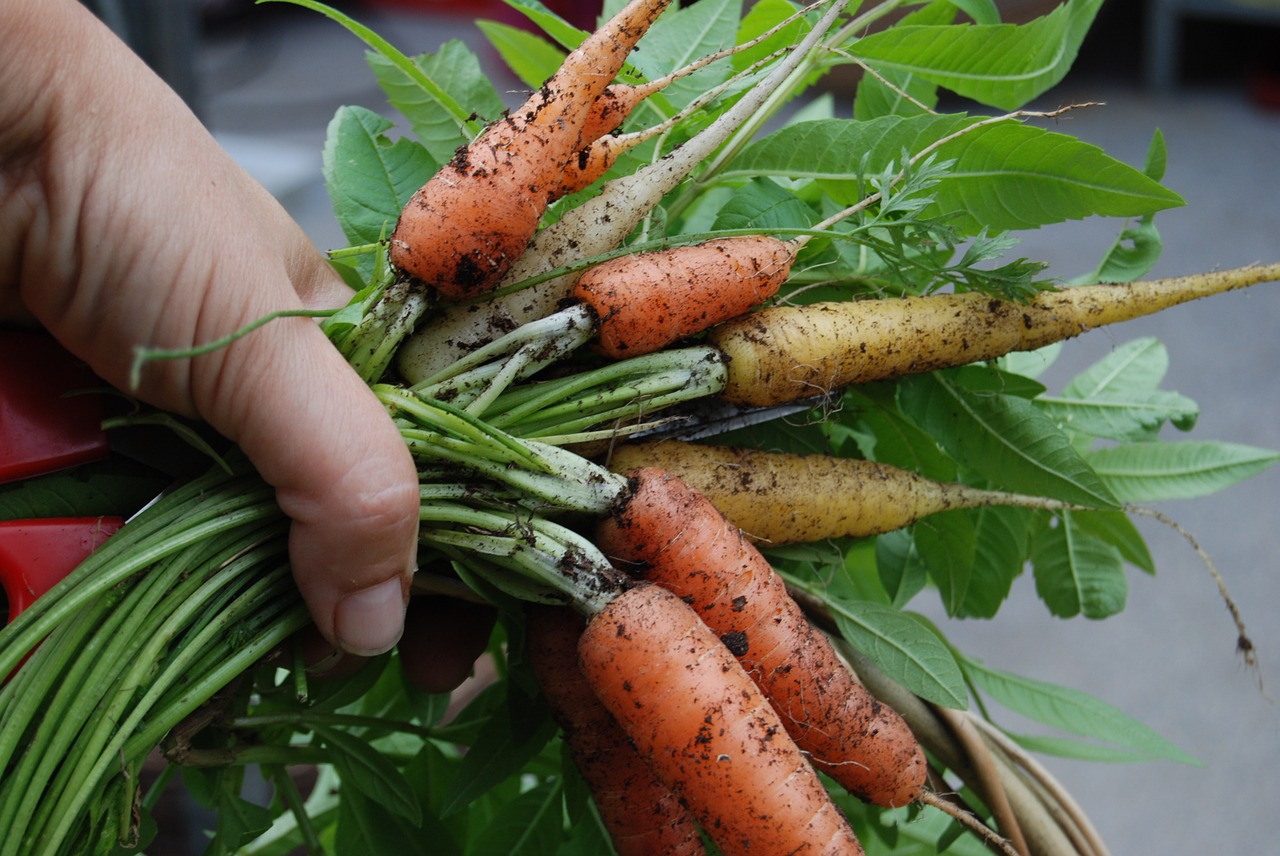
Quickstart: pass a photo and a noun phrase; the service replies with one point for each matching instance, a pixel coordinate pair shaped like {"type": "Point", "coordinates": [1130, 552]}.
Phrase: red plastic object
{"type": "Point", "coordinates": [42, 428]}
{"type": "Point", "coordinates": [36, 554]}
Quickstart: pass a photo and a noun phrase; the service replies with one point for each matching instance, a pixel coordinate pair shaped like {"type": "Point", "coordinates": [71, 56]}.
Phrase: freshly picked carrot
{"type": "Point", "coordinates": [642, 815]}
{"type": "Point", "coordinates": [465, 227]}
{"type": "Point", "coordinates": [778, 498]}
{"type": "Point", "coordinates": [669, 534]}
{"type": "Point", "coordinates": [706, 728]}
{"type": "Point", "coordinates": [785, 353]}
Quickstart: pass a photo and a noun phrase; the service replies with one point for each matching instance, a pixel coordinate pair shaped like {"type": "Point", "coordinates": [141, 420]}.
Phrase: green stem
{"type": "Point", "coordinates": [292, 798]}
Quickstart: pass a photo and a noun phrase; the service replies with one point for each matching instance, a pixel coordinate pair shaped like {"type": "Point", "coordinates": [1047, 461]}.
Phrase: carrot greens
{"type": "Point", "coordinates": [840, 283]}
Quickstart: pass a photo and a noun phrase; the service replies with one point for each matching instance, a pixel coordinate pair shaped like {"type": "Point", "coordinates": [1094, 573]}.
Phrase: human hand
{"type": "Point", "coordinates": [123, 223]}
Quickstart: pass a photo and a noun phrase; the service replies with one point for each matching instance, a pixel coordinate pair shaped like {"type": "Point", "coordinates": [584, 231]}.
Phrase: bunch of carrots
{"type": "Point", "coordinates": [518, 357]}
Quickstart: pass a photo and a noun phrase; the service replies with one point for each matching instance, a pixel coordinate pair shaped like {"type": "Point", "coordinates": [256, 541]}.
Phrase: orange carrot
{"type": "Point", "coordinates": [649, 300]}
{"type": "Point", "coordinates": [463, 229]}
{"type": "Point", "coordinates": [706, 730]}
{"type": "Point", "coordinates": [673, 536]}
{"type": "Point", "coordinates": [641, 814]}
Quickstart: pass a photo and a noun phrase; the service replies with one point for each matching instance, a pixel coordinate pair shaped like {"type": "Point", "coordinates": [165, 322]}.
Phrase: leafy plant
{"type": "Point", "coordinates": [938, 197]}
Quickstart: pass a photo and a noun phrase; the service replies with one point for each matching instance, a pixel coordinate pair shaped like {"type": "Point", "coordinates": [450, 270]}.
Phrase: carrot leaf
{"type": "Point", "coordinates": [1002, 543]}
{"type": "Point", "coordinates": [1151, 472]}
{"type": "Point", "coordinates": [1077, 573]}
{"type": "Point", "coordinates": [456, 75]}
{"type": "Point", "coordinates": [1005, 175]}
{"type": "Point", "coordinates": [369, 177]}
{"type": "Point", "coordinates": [1070, 710]}
{"type": "Point", "coordinates": [1002, 65]}
{"type": "Point", "coordinates": [1004, 438]}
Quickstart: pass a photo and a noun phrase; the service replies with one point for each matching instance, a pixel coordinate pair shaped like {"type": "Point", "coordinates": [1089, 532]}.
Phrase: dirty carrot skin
{"type": "Point", "coordinates": [596, 227]}
{"type": "Point", "coordinates": [706, 730]}
{"type": "Point", "coordinates": [465, 227]}
{"type": "Point", "coordinates": [669, 534]}
{"type": "Point", "coordinates": [649, 300]}
{"type": "Point", "coordinates": [641, 814]}
{"type": "Point", "coordinates": [777, 498]}
{"type": "Point", "coordinates": [784, 353]}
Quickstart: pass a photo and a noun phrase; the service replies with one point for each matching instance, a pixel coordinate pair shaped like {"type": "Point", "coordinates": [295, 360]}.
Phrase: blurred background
{"type": "Point", "coordinates": [267, 79]}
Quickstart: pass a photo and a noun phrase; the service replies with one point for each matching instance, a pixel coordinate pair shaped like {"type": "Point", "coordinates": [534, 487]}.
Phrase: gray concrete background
{"type": "Point", "coordinates": [269, 89]}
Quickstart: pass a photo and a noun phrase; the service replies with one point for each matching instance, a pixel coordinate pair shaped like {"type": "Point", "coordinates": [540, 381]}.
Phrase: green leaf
{"type": "Point", "coordinates": [1116, 529]}
{"type": "Point", "coordinates": [904, 93]}
{"type": "Point", "coordinates": [529, 825]}
{"type": "Point", "coordinates": [681, 35]}
{"type": "Point", "coordinates": [903, 648]}
{"type": "Point", "coordinates": [456, 75]}
{"type": "Point", "coordinates": [1138, 248]}
{"type": "Point", "coordinates": [368, 177]}
{"type": "Point", "coordinates": [981, 11]}
{"type": "Point", "coordinates": [762, 204]}
{"type": "Point", "coordinates": [1070, 710]}
{"type": "Point", "coordinates": [561, 31]}
{"type": "Point", "coordinates": [366, 827]}
{"type": "Point", "coordinates": [764, 15]}
{"type": "Point", "coordinates": [1080, 750]}
{"type": "Point", "coordinates": [902, 572]}
{"type": "Point", "coordinates": [1003, 65]}
{"type": "Point", "coordinates": [1004, 176]}
{"type": "Point", "coordinates": [1150, 472]}
{"type": "Point", "coordinates": [1078, 573]}
{"type": "Point", "coordinates": [109, 487]}
{"type": "Point", "coordinates": [504, 744]}
{"type": "Point", "coordinates": [946, 542]}
{"type": "Point", "coordinates": [531, 57]}
{"type": "Point", "coordinates": [1005, 439]}
{"type": "Point", "coordinates": [1136, 366]}
{"type": "Point", "coordinates": [365, 768]}
{"type": "Point", "coordinates": [1001, 547]}
{"type": "Point", "coordinates": [1122, 416]}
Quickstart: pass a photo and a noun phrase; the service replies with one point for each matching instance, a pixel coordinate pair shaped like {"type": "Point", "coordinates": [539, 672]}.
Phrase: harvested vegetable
{"type": "Point", "coordinates": [706, 729]}
{"type": "Point", "coordinates": [466, 226]}
{"type": "Point", "coordinates": [784, 353]}
{"type": "Point", "coordinates": [643, 816]}
{"type": "Point", "coordinates": [649, 300]}
{"type": "Point", "coordinates": [668, 534]}
{"type": "Point", "coordinates": [778, 498]}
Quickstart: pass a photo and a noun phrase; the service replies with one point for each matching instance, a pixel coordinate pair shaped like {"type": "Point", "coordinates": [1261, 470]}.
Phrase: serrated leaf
{"type": "Point", "coordinates": [902, 572]}
{"type": "Point", "coordinates": [531, 57]}
{"type": "Point", "coordinates": [1003, 65]}
{"type": "Point", "coordinates": [1124, 416]}
{"type": "Point", "coordinates": [1151, 472]}
{"type": "Point", "coordinates": [1078, 573]}
{"type": "Point", "coordinates": [1005, 439]}
{"type": "Point", "coordinates": [370, 178]}
{"type": "Point", "coordinates": [1116, 529]}
{"type": "Point", "coordinates": [1138, 247]}
{"type": "Point", "coordinates": [1079, 750]}
{"type": "Point", "coordinates": [903, 648]}
{"type": "Point", "coordinates": [890, 92]}
{"type": "Point", "coordinates": [1070, 710]}
{"type": "Point", "coordinates": [365, 826]}
{"type": "Point", "coordinates": [1004, 176]}
{"type": "Point", "coordinates": [500, 749]}
{"type": "Point", "coordinates": [946, 542]}
{"type": "Point", "coordinates": [457, 76]}
{"type": "Point", "coordinates": [681, 35]}
{"type": "Point", "coordinates": [529, 825]}
{"type": "Point", "coordinates": [1001, 548]}
{"type": "Point", "coordinates": [1135, 366]}
{"type": "Point", "coordinates": [364, 767]}
{"type": "Point", "coordinates": [764, 205]}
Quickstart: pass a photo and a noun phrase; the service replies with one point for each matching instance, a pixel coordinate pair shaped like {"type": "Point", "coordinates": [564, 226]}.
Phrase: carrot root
{"type": "Point", "coordinates": [706, 730]}
{"type": "Point", "coordinates": [670, 535]}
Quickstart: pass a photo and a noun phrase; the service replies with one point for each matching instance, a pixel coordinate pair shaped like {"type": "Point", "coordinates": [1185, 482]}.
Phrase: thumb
{"type": "Point", "coordinates": [342, 474]}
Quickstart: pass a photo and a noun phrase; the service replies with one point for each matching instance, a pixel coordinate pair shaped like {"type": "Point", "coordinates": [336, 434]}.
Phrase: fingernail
{"type": "Point", "coordinates": [369, 622]}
